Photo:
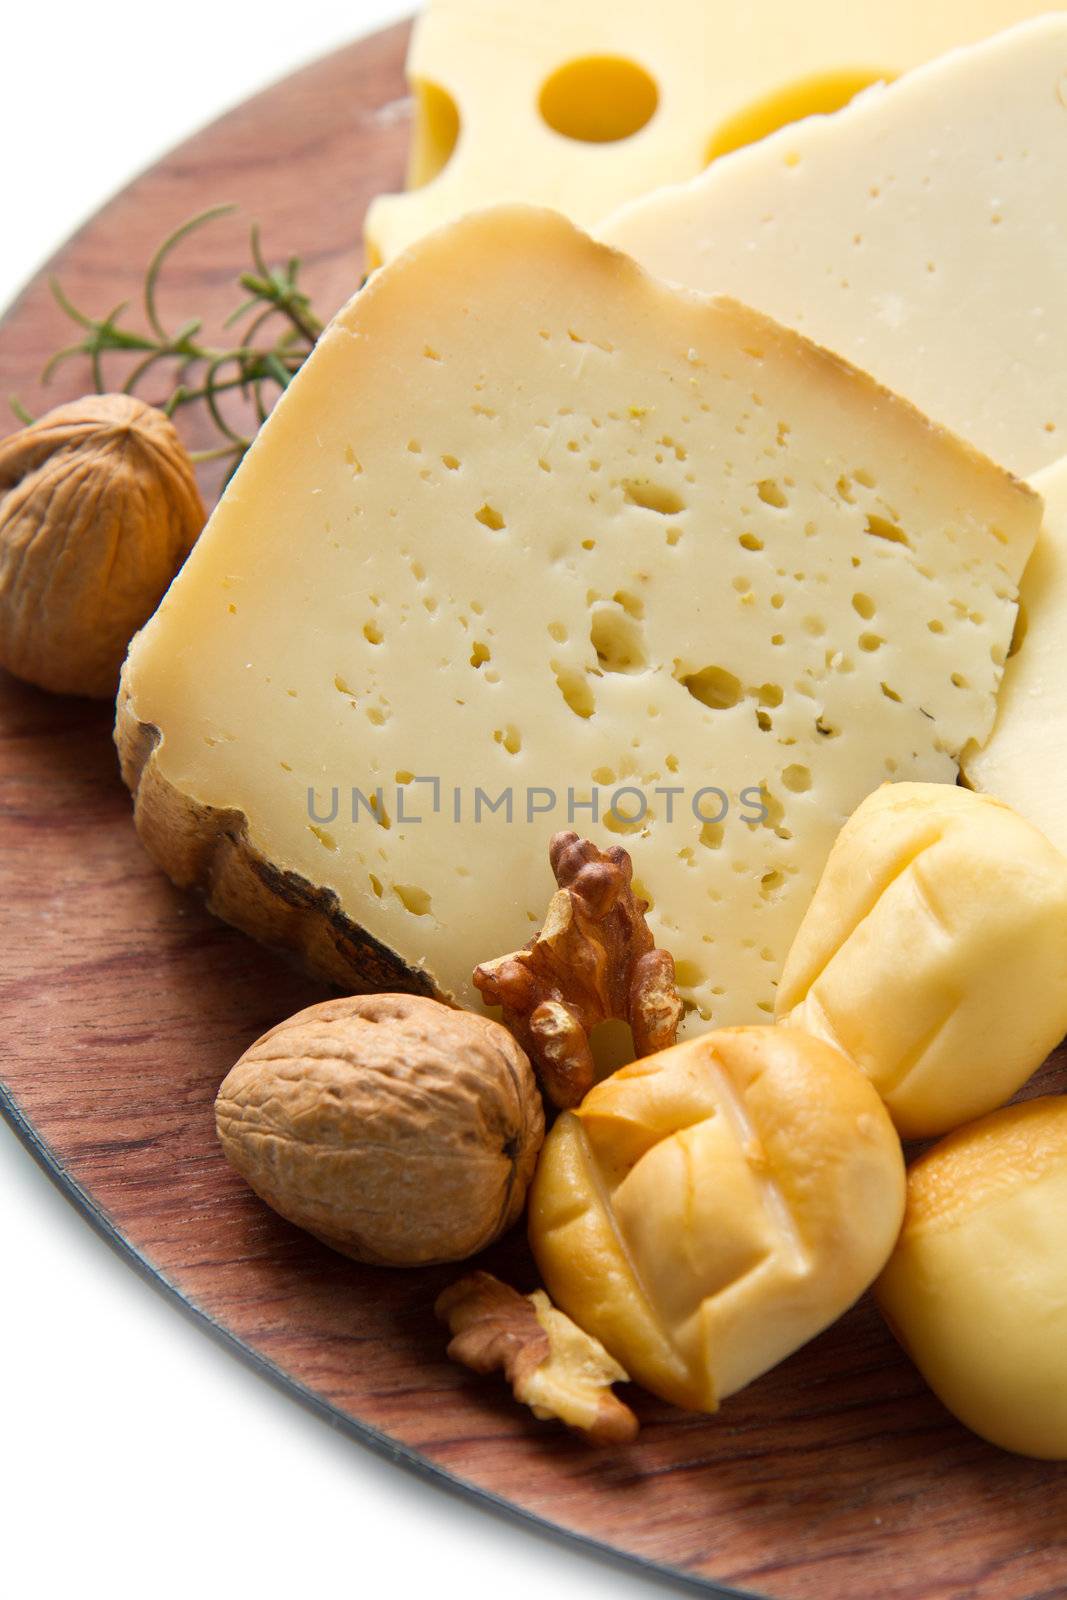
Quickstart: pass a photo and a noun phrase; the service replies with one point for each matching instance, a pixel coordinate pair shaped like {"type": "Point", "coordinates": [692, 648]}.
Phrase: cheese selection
{"type": "Point", "coordinates": [551, 535]}
{"type": "Point", "coordinates": [529, 522]}
{"type": "Point", "coordinates": [1025, 759]}
{"type": "Point", "coordinates": [584, 106]}
{"type": "Point", "coordinates": [921, 233]}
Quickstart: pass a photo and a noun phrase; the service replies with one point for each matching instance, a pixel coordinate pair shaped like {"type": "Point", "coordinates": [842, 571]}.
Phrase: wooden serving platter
{"type": "Point", "coordinates": [124, 1003]}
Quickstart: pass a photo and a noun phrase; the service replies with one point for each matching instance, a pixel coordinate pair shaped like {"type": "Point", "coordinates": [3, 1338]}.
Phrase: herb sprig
{"type": "Point", "coordinates": [277, 331]}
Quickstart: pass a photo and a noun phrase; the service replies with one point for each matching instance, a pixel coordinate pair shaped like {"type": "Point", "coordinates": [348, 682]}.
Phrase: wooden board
{"type": "Point", "coordinates": [124, 1003]}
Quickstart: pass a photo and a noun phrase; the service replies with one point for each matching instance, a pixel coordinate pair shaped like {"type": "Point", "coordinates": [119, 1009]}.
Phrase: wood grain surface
{"type": "Point", "coordinates": [123, 1004]}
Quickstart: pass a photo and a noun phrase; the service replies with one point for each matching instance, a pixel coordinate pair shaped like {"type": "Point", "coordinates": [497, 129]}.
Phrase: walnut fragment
{"type": "Point", "coordinates": [552, 1366]}
{"type": "Point", "coordinates": [594, 960]}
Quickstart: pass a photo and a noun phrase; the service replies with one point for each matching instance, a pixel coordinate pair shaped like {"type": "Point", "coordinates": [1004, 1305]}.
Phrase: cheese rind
{"type": "Point", "coordinates": [921, 232]}
{"type": "Point", "coordinates": [713, 75]}
{"type": "Point", "coordinates": [528, 521]}
{"type": "Point", "coordinates": [1024, 760]}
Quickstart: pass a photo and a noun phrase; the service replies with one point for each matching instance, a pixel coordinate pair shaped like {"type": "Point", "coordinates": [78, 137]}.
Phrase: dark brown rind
{"type": "Point", "coordinates": [207, 849]}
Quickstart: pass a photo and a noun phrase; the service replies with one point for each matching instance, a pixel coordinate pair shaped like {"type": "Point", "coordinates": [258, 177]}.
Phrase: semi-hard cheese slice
{"type": "Point", "coordinates": [531, 529]}
{"type": "Point", "coordinates": [921, 232]}
{"type": "Point", "coordinates": [1025, 759]}
{"type": "Point", "coordinates": [585, 104]}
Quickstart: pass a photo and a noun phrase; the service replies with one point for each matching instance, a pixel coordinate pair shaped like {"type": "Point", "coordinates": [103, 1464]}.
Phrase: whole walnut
{"type": "Point", "coordinates": [392, 1127]}
{"type": "Point", "coordinates": [98, 509]}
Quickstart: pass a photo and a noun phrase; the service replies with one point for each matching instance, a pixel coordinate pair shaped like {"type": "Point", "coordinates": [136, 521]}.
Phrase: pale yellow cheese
{"type": "Point", "coordinates": [922, 233]}
{"type": "Point", "coordinates": [934, 953]}
{"type": "Point", "coordinates": [1025, 759]}
{"type": "Point", "coordinates": [529, 520]}
{"type": "Point", "coordinates": [585, 104]}
{"type": "Point", "coordinates": [976, 1289]}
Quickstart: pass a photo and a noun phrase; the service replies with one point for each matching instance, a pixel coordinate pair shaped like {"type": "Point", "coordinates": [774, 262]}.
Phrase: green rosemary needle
{"type": "Point", "coordinates": [277, 331]}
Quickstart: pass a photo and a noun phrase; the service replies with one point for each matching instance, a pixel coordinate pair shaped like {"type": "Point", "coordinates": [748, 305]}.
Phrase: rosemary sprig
{"type": "Point", "coordinates": [256, 365]}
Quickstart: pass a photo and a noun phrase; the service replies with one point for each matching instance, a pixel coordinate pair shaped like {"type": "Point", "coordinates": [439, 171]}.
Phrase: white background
{"type": "Point", "coordinates": [138, 1459]}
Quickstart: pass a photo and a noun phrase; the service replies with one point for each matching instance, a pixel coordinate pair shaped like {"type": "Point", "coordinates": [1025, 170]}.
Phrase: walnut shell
{"type": "Point", "coordinates": [98, 509]}
{"type": "Point", "coordinates": [392, 1127]}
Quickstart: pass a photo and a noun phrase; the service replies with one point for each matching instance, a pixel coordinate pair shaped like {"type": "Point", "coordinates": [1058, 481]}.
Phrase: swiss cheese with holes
{"type": "Point", "coordinates": [532, 534]}
{"type": "Point", "coordinates": [921, 232]}
{"type": "Point", "coordinates": [583, 106]}
{"type": "Point", "coordinates": [1025, 759]}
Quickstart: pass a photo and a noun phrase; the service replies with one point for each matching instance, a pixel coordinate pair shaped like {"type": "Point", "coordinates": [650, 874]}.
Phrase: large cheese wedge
{"type": "Point", "coordinates": [583, 106]}
{"type": "Point", "coordinates": [533, 524]}
{"type": "Point", "coordinates": [1025, 759]}
{"type": "Point", "coordinates": [922, 233]}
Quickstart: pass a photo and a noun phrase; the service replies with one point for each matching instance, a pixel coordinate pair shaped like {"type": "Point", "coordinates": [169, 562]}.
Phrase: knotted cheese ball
{"type": "Point", "coordinates": [710, 1208]}
{"type": "Point", "coordinates": [976, 1289]}
{"type": "Point", "coordinates": [934, 953]}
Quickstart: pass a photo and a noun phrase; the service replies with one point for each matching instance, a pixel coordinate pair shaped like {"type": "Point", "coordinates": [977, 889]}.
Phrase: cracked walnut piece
{"type": "Point", "coordinates": [552, 1366]}
{"type": "Point", "coordinates": [594, 960]}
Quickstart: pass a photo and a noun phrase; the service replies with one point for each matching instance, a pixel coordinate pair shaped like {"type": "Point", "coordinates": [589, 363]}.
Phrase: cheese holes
{"type": "Point", "coordinates": [510, 738]}
{"type": "Point", "coordinates": [863, 606]}
{"type": "Point", "coordinates": [480, 654]}
{"type": "Point", "coordinates": [490, 518]}
{"type": "Point", "coordinates": [435, 132]}
{"type": "Point", "coordinates": [714, 687]}
{"type": "Point", "coordinates": [749, 541]}
{"type": "Point", "coordinates": [652, 497]}
{"type": "Point", "coordinates": [598, 99]}
{"type": "Point", "coordinates": [882, 528]}
{"type": "Point", "coordinates": [413, 899]}
{"type": "Point", "coordinates": [372, 633]}
{"type": "Point", "coordinates": [797, 779]}
{"type": "Point", "coordinates": [772, 815]}
{"type": "Point", "coordinates": [618, 639]}
{"type": "Point", "coordinates": [772, 494]}
{"type": "Point", "coordinates": [814, 95]}
{"type": "Point", "coordinates": [573, 685]}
